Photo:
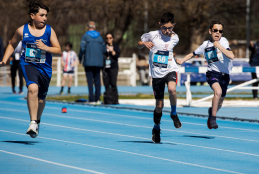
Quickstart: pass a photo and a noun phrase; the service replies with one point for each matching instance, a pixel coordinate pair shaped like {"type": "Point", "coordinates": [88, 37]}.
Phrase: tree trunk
{"type": "Point", "coordinates": [197, 37]}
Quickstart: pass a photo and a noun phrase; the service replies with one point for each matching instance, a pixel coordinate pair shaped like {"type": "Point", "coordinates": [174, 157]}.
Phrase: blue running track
{"type": "Point", "coordinates": [90, 139]}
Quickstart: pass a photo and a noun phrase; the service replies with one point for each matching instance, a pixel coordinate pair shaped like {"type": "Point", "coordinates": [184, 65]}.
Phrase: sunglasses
{"type": "Point", "coordinates": [216, 30]}
{"type": "Point", "coordinates": [108, 37]}
{"type": "Point", "coordinates": [167, 28]}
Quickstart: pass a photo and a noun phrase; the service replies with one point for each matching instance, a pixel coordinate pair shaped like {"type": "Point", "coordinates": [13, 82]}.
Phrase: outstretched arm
{"type": "Point", "coordinates": [141, 45]}
{"type": "Point", "coordinates": [12, 45]}
{"type": "Point", "coordinates": [187, 57]}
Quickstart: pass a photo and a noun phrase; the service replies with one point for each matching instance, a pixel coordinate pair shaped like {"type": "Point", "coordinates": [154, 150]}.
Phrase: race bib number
{"type": "Point", "coordinates": [34, 54]}
{"type": "Point", "coordinates": [211, 55]}
{"type": "Point", "coordinates": [160, 59]}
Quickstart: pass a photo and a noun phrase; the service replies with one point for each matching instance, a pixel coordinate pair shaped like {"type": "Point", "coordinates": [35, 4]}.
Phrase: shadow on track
{"type": "Point", "coordinates": [22, 142]}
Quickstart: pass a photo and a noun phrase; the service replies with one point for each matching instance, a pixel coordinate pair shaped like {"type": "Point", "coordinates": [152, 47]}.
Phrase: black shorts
{"type": "Point", "coordinates": [221, 78]}
{"type": "Point", "coordinates": [32, 75]}
{"type": "Point", "coordinates": [159, 84]}
{"type": "Point", "coordinates": [70, 73]}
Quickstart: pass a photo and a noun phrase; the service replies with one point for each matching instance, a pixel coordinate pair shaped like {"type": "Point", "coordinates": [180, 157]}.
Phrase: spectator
{"type": "Point", "coordinates": [15, 65]}
{"type": "Point", "coordinates": [92, 49]}
{"type": "Point", "coordinates": [195, 62]}
{"type": "Point", "coordinates": [142, 66]}
{"type": "Point", "coordinates": [254, 61]}
{"type": "Point", "coordinates": [69, 61]}
{"type": "Point", "coordinates": [111, 69]}
{"type": "Point", "coordinates": [1, 49]}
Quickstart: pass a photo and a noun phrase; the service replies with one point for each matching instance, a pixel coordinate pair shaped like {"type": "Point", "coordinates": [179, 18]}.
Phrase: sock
{"type": "Point", "coordinates": [213, 121]}
{"type": "Point", "coordinates": [173, 110]}
{"type": "Point", "coordinates": [38, 121]}
{"type": "Point", "coordinates": [157, 126]}
{"type": "Point", "coordinates": [68, 89]}
{"type": "Point", "coordinates": [62, 89]}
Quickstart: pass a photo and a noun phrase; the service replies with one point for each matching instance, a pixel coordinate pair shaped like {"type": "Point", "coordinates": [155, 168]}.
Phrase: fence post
{"type": "Point", "coordinates": [59, 72]}
{"type": "Point", "coordinates": [188, 90]}
{"type": "Point", "coordinates": [133, 70]}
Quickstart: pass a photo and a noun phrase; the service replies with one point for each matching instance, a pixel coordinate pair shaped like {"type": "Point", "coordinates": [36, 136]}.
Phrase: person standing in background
{"type": "Point", "coordinates": [15, 65]}
{"type": "Point", "coordinates": [91, 55]}
{"type": "Point", "coordinates": [68, 61]}
{"type": "Point", "coordinates": [254, 61]}
{"type": "Point", "coordinates": [142, 66]}
{"type": "Point", "coordinates": [111, 69]}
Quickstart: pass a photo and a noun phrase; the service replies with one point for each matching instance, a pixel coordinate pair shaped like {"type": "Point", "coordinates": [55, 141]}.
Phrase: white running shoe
{"type": "Point", "coordinates": [33, 129]}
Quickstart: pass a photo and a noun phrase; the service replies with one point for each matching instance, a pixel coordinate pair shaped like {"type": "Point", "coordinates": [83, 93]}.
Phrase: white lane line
{"type": "Point", "coordinates": [120, 115]}
{"type": "Point", "coordinates": [133, 117]}
{"type": "Point", "coordinates": [184, 144]}
{"type": "Point", "coordinates": [133, 153]}
{"type": "Point", "coordinates": [138, 126]}
{"type": "Point", "coordinates": [50, 162]}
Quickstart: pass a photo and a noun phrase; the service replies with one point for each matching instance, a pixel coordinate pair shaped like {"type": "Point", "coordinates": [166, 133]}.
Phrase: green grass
{"type": "Point", "coordinates": [71, 98]}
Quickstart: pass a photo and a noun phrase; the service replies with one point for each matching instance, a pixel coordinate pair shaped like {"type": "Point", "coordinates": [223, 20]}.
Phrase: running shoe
{"type": "Point", "coordinates": [33, 129]}
{"type": "Point", "coordinates": [211, 124]}
{"type": "Point", "coordinates": [177, 123]}
{"type": "Point", "coordinates": [210, 115]}
{"type": "Point", "coordinates": [156, 135]}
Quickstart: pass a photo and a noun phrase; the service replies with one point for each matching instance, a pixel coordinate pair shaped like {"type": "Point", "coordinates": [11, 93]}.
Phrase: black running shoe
{"type": "Point", "coordinates": [156, 135]}
{"type": "Point", "coordinates": [208, 121]}
{"type": "Point", "coordinates": [177, 123]}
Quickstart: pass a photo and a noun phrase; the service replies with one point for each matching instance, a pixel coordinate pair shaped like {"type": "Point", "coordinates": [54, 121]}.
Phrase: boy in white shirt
{"type": "Point", "coordinates": [162, 68]}
{"type": "Point", "coordinates": [219, 57]}
{"type": "Point", "coordinates": [69, 61]}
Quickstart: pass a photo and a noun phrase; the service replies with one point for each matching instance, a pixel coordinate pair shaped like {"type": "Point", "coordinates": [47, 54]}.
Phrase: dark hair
{"type": "Point", "coordinates": [141, 56]}
{"type": "Point", "coordinates": [69, 44]}
{"type": "Point", "coordinates": [216, 22]}
{"type": "Point", "coordinates": [35, 5]}
{"type": "Point", "coordinates": [106, 36]}
{"type": "Point", "coordinates": [167, 17]}
{"type": "Point", "coordinates": [108, 33]}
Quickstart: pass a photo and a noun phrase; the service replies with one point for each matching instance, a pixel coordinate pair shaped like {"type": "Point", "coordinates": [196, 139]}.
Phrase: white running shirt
{"type": "Point", "coordinates": [161, 60]}
{"type": "Point", "coordinates": [217, 61]}
{"type": "Point", "coordinates": [68, 58]}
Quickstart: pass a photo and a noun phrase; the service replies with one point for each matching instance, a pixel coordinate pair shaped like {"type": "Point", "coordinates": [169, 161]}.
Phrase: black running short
{"type": "Point", "coordinates": [159, 84]}
{"type": "Point", "coordinates": [32, 75]}
{"type": "Point", "coordinates": [221, 78]}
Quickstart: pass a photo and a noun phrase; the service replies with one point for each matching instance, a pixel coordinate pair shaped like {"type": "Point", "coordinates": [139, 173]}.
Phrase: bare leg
{"type": "Point", "coordinates": [172, 92]}
{"type": "Point", "coordinates": [220, 103]}
{"type": "Point", "coordinates": [64, 80]}
{"type": "Point", "coordinates": [32, 100]}
{"type": "Point", "coordinates": [70, 80]}
{"type": "Point", "coordinates": [173, 101]}
{"type": "Point", "coordinates": [216, 99]}
{"type": "Point", "coordinates": [41, 108]}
